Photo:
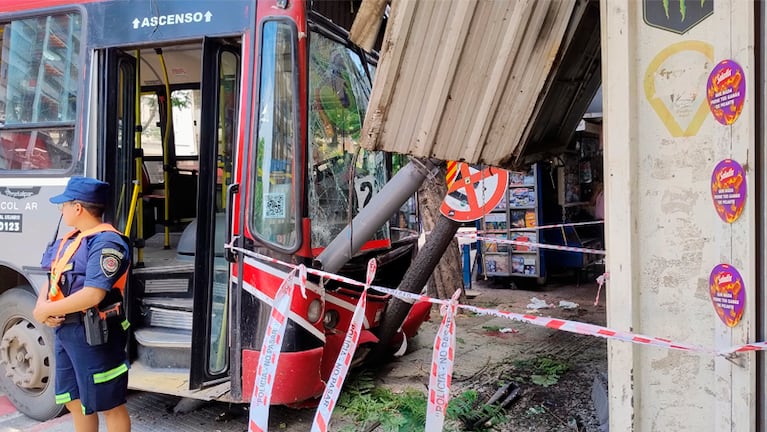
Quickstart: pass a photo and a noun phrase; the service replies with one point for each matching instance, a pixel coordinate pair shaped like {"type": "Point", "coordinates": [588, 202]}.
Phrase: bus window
{"type": "Point", "coordinates": [185, 106]}
{"type": "Point", "coordinates": [39, 71]}
{"type": "Point", "coordinates": [274, 216]}
{"type": "Point", "coordinates": [151, 137]}
{"type": "Point", "coordinates": [338, 96]}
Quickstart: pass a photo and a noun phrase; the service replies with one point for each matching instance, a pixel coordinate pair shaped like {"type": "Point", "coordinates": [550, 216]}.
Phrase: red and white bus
{"type": "Point", "coordinates": [216, 122]}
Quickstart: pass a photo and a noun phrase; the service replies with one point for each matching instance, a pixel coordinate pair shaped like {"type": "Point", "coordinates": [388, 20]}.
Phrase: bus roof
{"type": "Point", "coordinates": [25, 5]}
{"type": "Point", "coordinates": [120, 22]}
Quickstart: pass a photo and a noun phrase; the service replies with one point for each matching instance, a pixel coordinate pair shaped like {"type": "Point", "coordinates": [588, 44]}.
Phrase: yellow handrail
{"type": "Point", "coordinates": [165, 155]}
{"type": "Point", "coordinates": [131, 213]}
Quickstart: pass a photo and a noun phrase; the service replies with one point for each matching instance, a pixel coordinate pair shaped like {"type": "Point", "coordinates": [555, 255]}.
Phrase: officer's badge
{"type": "Point", "coordinates": [110, 264]}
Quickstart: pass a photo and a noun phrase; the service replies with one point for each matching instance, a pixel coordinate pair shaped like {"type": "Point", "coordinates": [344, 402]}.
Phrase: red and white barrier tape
{"type": "Point", "coordinates": [565, 325]}
{"type": "Point", "coordinates": [442, 360]}
{"type": "Point", "coordinates": [444, 346]}
{"type": "Point", "coordinates": [270, 353]}
{"type": "Point", "coordinates": [601, 281]}
{"type": "Point", "coordinates": [528, 243]}
{"type": "Point", "coordinates": [344, 360]}
{"type": "Point", "coordinates": [562, 225]}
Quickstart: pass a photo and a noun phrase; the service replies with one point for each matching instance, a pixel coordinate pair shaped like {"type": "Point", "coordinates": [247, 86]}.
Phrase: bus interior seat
{"type": "Point", "coordinates": [188, 240]}
{"type": "Point", "coordinates": [183, 195]}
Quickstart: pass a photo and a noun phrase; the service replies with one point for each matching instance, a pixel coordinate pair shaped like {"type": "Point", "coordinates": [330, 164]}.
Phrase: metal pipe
{"type": "Point", "coordinates": [362, 228]}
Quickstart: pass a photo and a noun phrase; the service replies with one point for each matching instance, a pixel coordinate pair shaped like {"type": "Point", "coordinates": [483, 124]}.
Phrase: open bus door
{"type": "Point", "coordinates": [210, 331]}
{"type": "Point", "coordinates": [178, 296]}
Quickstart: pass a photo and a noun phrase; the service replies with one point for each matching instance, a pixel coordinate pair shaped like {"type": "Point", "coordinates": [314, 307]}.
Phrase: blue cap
{"type": "Point", "coordinates": [83, 189]}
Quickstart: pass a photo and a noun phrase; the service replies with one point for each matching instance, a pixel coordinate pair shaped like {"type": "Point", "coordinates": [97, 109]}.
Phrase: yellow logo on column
{"type": "Point", "coordinates": [675, 86]}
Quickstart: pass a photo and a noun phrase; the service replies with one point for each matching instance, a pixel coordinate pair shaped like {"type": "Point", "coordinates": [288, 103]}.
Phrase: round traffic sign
{"type": "Point", "coordinates": [473, 193]}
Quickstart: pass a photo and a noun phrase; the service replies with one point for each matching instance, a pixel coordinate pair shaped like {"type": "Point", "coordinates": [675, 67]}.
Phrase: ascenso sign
{"type": "Point", "coordinates": [172, 19]}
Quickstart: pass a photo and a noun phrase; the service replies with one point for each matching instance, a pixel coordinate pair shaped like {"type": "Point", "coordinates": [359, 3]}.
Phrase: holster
{"type": "Point", "coordinates": [96, 328]}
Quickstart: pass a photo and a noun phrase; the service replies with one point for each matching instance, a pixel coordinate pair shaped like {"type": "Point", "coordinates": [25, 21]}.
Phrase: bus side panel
{"type": "Point", "coordinates": [303, 345]}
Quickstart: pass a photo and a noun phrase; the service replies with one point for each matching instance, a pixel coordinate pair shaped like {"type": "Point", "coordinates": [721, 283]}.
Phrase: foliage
{"type": "Point", "coordinates": [474, 415]}
{"type": "Point", "coordinates": [535, 410]}
{"type": "Point", "coordinates": [544, 371]}
{"type": "Point", "coordinates": [368, 404]}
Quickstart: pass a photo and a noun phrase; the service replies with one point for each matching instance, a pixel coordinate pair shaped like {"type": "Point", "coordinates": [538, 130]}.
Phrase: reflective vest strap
{"type": "Point", "coordinates": [60, 262]}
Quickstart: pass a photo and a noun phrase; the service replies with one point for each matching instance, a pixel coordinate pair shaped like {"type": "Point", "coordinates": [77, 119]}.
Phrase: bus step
{"type": "Point", "coordinates": [174, 303]}
{"type": "Point", "coordinates": [171, 285]}
{"type": "Point", "coordinates": [164, 348]}
{"type": "Point", "coordinates": [168, 318]}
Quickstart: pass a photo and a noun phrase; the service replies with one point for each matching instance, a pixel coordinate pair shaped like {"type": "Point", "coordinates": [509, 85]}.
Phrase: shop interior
{"type": "Point", "coordinates": [562, 192]}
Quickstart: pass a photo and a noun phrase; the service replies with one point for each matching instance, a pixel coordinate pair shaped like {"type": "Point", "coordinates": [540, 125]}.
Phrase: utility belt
{"type": "Point", "coordinates": [96, 321]}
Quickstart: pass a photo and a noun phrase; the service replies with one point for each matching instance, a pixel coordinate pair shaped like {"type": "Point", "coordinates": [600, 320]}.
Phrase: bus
{"type": "Point", "coordinates": [228, 130]}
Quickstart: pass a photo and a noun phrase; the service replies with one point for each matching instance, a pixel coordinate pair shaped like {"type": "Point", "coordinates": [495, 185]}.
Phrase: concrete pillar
{"type": "Point", "coordinates": [663, 235]}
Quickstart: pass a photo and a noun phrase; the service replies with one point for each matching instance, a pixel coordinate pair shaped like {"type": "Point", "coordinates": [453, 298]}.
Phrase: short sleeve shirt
{"type": "Point", "coordinates": [99, 262]}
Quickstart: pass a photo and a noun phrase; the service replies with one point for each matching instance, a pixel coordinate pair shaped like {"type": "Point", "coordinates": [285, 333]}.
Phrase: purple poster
{"type": "Point", "coordinates": [727, 293]}
{"type": "Point", "coordinates": [726, 91]}
{"type": "Point", "coordinates": [728, 190]}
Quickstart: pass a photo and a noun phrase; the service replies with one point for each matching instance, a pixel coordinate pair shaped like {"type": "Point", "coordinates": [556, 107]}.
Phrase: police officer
{"type": "Point", "coordinates": [88, 267]}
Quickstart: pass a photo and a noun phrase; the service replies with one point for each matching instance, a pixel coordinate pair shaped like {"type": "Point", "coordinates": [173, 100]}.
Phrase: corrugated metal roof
{"type": "Point", "coordinates": [469, 79]}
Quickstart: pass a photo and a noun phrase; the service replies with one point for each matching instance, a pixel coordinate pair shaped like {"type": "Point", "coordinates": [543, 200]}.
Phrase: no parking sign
{"type": "Point", "coordinates": [474, 192]}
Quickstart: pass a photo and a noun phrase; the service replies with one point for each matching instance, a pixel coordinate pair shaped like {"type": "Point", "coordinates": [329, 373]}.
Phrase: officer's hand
{"type": "Point", "coordinates": [53, 321]}
{"type": "Point", "coordinates": [40, 312]}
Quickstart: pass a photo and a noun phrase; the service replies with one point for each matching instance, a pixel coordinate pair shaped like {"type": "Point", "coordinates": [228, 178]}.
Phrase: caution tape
{"type": "Point", "coordinates": [536, 244]}
{"type": "Point", "coordinates": [561, 225]}
{"type": "Point", "coordinates": [557, 324]}
{"type": "Point", "coordinates": [344, 360]}
{"type": "Point", "coordinates": [444, 346]}
{"type": "Point", "coordinates": [269, 355]}
{"type": "Point", "coordinates": [442, 360]}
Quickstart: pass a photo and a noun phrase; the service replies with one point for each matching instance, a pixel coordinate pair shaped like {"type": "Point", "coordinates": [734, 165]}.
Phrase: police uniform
{"type": "Point", "coordinates": [97, 375]}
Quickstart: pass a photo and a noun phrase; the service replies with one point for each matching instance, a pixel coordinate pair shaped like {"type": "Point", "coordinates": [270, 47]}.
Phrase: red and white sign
{"type": "Point", "coordinates": [474, 193]}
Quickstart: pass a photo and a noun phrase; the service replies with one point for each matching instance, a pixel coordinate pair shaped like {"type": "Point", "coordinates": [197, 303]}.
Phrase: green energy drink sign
{"type": "Point", "coordinates": [676, 16]}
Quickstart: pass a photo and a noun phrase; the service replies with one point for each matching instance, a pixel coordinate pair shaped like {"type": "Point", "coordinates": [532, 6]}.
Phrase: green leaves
{"type": "Point", "coordinates": [544, 371]}
{"type": "Point", "coordinates": [394, 412]}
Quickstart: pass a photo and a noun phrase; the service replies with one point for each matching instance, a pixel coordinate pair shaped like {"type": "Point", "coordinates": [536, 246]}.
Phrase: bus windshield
{"type": "Point", "coordinates": [343, 177]}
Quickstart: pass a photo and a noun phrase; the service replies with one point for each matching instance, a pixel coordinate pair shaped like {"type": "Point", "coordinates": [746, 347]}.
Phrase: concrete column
{"type": "Point", "coordinates": [663, 235]}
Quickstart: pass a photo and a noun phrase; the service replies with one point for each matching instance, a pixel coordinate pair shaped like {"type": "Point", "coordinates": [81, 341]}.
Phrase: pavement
{"type": "Point", "coordinates": [149, 413]}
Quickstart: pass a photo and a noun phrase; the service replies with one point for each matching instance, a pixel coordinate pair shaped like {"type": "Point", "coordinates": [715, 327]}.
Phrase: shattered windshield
{"type": "Point", "coordinates": [342, 177]}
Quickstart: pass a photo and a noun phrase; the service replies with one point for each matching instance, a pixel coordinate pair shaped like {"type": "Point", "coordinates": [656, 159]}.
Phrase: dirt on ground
{"type": "Point", "coordinates": [546, 376]}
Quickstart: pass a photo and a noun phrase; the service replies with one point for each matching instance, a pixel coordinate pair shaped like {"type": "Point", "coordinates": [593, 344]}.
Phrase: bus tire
{"type": "Point", "coordinates": [26, 356]}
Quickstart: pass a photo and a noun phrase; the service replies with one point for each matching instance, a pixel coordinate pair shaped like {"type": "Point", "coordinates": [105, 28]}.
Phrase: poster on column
{"type": "Point", "coordinates": [726, 91]}
{"type": "Point", "coordinates": [728, 190]}
{"type": "Point", "coordinates": [727, 293]}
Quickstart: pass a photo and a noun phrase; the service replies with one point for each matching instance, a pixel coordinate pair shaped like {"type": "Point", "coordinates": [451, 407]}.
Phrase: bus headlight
{"type": "Point", "coordinates": [314, 312]}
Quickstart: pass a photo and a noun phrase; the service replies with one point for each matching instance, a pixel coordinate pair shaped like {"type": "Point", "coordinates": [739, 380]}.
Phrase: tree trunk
{"type": "Point", "coordinates": [446, 278]}
{"type": "Point", "coordinates": [430, 257]}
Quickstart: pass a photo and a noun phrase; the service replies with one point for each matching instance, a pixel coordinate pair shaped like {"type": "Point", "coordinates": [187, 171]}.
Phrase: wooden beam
{"type": "Point", "coordinates": [367, 24]}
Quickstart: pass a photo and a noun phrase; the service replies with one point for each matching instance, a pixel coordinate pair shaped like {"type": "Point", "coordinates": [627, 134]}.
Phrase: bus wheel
{"type": "Point", "coordinates": [26, 357]}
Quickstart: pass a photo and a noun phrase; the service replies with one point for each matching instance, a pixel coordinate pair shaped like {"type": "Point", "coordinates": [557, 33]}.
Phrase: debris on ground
{"type": "Point", "coordinates": [536, 303]}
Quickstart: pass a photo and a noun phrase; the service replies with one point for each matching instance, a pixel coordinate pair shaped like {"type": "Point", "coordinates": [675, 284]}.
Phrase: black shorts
{"type": "Point", "coordinates": [97, 375]}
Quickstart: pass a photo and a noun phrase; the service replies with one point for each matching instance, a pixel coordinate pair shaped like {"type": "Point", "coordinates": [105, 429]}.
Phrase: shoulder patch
{"type": "Point", "coordinates": [110, 262]}
{"type": "Point", "coordinates": [113, 251]}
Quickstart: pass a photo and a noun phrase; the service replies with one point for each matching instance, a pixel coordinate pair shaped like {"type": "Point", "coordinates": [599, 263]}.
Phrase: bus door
{"type": "Point", "coordinates": [174, 148]}
{"type": "Point", "coordinates": [116, 161]}
{"type": "Point", "coordinates": [220, 95]}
